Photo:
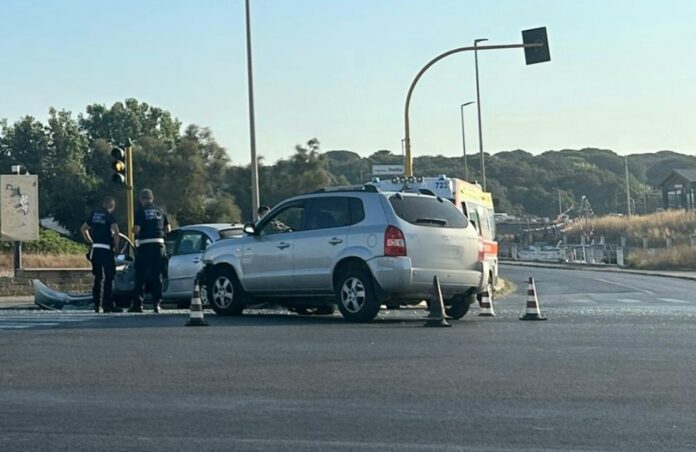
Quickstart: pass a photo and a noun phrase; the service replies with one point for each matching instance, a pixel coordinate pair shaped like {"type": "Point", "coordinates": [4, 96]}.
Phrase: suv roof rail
{"type": "Point", "coordinates": [370, 188]}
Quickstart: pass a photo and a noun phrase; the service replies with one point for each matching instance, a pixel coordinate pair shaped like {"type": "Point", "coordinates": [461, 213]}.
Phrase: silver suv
{"type": "Point", "coordinates": [356, 248]}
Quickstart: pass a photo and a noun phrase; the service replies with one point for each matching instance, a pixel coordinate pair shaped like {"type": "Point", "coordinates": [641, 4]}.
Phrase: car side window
{"type": "Point", "coordinates": [329, 212]}
{"type": "Point", "coordinates": [190, 242]}
{"type": "Point", "coordinates": [170, 241]}
{"type": "Point", "coordinates": [474, 219]}
{"type": "Point", "coordinates": [288, 219]}
{"type": "Point", "coordinates": [357, 211]}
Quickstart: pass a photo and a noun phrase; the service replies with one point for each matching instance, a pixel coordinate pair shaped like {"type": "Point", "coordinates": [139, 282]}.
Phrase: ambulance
{"type": "Point", "coordinates": [476, 204]}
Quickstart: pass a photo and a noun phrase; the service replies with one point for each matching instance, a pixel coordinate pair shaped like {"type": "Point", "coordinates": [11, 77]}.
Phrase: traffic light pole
{"type": "Point", "coordinates": [408, 161]}
{"type": "Point", "coordinates": [130, 205]}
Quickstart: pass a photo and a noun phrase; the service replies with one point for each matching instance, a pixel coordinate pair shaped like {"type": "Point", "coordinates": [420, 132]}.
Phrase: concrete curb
{"type": "Point", "coordinates": [689, 276]}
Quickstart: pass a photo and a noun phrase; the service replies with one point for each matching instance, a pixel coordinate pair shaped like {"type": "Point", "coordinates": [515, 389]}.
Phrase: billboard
{"type": "Point", "coordinates": [19, 208]}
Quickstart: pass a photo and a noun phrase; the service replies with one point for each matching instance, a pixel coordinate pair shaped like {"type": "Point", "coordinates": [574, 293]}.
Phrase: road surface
{"type": "Point", "coordinates": [612, 369]}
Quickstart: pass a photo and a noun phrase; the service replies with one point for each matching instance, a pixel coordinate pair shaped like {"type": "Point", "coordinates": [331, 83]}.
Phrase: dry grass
{"type": "Point", "coordinates": [676, 258]}
{"type": "Point", "coordinates": [46, 261]}
{"type": "Point", "coordinates": [677, 225]}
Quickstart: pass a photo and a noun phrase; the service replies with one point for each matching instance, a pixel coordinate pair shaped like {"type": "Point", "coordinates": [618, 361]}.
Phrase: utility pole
{"type": "Point", "coordinates": [252, 126]}
{"type": "Point", "coordinates": [560, 208]}
{"type": "Point", "coordinates": [628, 189]}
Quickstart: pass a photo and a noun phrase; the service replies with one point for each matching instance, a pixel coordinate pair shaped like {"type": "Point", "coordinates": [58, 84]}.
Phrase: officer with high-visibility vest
{"type": "Point", "coordinates": [100, 230]}
{"type": "Point", "coordinates": [150, 228]}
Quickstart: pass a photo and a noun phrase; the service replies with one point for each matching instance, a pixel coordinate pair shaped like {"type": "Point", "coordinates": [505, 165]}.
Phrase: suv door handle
{"type": "Point", "coordinates": [335, 241]}
{"type": "Point", "coordinates": [283, 245]}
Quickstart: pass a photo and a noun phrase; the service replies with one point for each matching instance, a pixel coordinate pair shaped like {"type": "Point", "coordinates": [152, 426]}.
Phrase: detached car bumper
{"type": "Point", "coordinates": [396, 275]}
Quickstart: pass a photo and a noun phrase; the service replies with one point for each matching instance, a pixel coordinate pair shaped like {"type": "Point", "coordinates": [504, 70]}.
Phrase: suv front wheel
{"type": "Point", "coordinates": [356, 295]}
{"type": "Point", "coordinates": [224, 292]}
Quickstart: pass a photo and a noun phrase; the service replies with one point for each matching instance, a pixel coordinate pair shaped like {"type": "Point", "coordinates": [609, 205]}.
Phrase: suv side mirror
{"type": "Point", "coordinates": [250, 229]}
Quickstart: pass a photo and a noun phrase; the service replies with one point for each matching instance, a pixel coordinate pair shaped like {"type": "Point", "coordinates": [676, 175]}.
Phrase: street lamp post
{"type": "Point", "coordinates": [466, 166]}
{"type": "Point", "coordinates": [252, 125]}
{"type": "Point", "coordinates": [478, 107]}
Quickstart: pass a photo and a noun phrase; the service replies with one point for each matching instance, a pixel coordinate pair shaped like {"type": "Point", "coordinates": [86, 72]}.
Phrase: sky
{"type": "Point", "coordinates": [622, 74]}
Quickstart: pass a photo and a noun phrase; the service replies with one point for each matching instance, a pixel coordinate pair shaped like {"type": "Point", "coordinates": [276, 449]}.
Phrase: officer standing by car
{"type": "Point", "coordinates": [151, 226]}
{"type": "Point", "coordinates": [100, 230]}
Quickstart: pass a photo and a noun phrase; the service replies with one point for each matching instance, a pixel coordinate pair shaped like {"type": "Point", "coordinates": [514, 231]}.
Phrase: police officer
{"type": "Point", "coordinates": [151, 226]}
{"type": "Point", "coordinates": [101, 232]}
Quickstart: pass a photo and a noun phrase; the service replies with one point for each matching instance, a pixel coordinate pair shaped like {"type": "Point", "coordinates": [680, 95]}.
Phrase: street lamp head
{"type": "Point", "coordinates": [476, 41]}
{"type": "Point", "coordinates": [468, 103]}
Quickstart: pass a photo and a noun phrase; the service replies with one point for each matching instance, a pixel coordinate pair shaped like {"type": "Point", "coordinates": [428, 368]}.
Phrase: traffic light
{"type": "Point", "coordinates": [534, 55]}
{"type": "Point", "coordinates": [119, 166]}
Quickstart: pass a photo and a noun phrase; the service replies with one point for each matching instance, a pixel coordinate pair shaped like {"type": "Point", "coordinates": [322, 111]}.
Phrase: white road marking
{"type": "Point", "coordinates": [33, 319]}
{"type": "Point", "coordinates": [628, 300]}
{"type": "Point", "coordinates": [645, 291]}
{"type": "Point", "coordinates": [673, 300]}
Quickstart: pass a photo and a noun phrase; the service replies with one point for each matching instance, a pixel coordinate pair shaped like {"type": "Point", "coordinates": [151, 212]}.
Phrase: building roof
{"type": "Point", "coordinates": [686, 175]}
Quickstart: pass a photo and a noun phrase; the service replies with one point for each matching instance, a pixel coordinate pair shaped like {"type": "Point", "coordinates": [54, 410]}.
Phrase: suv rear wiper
{"type": "Point", "coordinates": [437, 221]}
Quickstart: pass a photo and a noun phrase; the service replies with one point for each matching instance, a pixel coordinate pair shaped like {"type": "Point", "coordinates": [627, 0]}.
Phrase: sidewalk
{"type": "Point", "coordinates": [17, 302]}
{"type": "Point", "coordinates": [680, 274]}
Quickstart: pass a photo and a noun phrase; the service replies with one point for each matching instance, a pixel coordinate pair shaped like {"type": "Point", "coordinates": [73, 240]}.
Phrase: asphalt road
{"type": "Point", "coordinates": [612, 369]}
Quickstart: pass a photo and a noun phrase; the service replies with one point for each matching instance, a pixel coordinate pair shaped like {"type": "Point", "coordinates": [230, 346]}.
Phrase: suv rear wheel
{"type": "Point", "coordinates": [460, 306]}
{"type": "Point", "coordinates": [356, 295]}
{"type": "Point", "coordinates": [225, 294]}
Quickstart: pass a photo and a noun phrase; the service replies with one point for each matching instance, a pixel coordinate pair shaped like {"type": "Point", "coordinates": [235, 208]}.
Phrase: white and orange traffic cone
{"type": "Point", "coordinates": [486, 304]}
{"type": "Point", "coordinates": [436, 316]}
{"type": "Point", "coordinates": [196, 313]}
{"type": "Point", "coordinates": [532, 312]}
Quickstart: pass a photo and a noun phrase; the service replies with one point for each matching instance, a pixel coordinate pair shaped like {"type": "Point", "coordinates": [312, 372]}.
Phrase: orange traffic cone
{"type": "Point", "coordinates": [196, 314]}
{"type": "Point", "coordinates": [436, 317]}
{"type": "Point", "coordinates": [532, 312]}
{"type": "Point", "coordinates": [486, 303]}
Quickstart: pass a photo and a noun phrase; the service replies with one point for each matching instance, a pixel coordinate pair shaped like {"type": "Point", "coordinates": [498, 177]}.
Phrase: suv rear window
{"type": "Point", "coordinates": [428, 211]}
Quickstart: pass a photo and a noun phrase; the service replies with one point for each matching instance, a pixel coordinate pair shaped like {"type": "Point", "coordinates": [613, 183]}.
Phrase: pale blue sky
{"type": "Point", "coordinates": [622, 75]}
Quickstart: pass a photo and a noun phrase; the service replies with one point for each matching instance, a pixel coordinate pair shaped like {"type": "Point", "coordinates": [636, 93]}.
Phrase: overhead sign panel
{"type": "Point", "coordinates": [539, 54]}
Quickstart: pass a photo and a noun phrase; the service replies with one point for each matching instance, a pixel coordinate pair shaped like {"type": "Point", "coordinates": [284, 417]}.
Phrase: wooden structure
{"type": "Point", "coordinates": [679, 190]}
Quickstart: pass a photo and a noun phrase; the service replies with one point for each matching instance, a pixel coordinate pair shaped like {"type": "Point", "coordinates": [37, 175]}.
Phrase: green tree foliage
{"type": "Point", "coordinates": [193, 178]}
{"type": "Point", "coordinates": [73, 159]}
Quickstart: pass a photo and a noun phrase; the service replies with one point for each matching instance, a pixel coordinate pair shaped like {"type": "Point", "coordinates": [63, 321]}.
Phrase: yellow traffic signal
{"type": "Point", "coordinates": [119, 166]}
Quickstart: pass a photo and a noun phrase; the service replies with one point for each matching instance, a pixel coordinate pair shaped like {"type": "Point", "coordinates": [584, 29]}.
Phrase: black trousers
{"type": "Point", "coordinates": [103, 269]}
{"type": "Point", "coordinates": [149, 266]}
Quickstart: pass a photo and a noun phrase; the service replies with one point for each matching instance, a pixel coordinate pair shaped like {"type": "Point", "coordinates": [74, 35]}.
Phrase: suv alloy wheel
{"type": "Point", "coordinates": [356, 296]}
{"type": "Point", "coordinates": [224, 292]}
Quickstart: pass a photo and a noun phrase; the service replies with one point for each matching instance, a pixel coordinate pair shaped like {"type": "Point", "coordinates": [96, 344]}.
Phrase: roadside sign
{"type": "Point", "coordinates": [19, 208]}
{"type": "Point", "coordinates": [387, 170]}
{"type": "Point", "coordinates": [534, 55]}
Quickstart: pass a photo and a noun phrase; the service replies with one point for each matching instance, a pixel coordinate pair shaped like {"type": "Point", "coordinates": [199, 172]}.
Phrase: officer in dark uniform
{"type": "Point", "coordinates": [151, 226]}
{"type": "Point", "coordinates": [101, 232]}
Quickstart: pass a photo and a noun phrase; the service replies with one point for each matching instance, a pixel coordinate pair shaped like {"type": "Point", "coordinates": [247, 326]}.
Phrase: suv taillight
{"type": "Point", "coordinates": [481, 251]}
{"type": "Point", "coordinates": [394, 242]}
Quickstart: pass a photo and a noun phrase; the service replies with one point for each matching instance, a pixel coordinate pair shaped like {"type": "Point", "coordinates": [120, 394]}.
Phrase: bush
{"type": "Point", "coordinates": [677, 225]}
{"type": "Point", "coordinates": [50, 242]}
{"type": "Point", "coordinates": [676, 258]}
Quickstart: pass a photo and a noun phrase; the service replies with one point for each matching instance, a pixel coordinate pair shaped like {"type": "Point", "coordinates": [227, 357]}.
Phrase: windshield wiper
{"type": "Point", "coordinates": [437, 221]}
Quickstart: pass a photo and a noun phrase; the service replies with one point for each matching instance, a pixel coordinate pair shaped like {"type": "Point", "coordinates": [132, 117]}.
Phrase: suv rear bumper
{"type": "Point", "coordinates": [396, 276]}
